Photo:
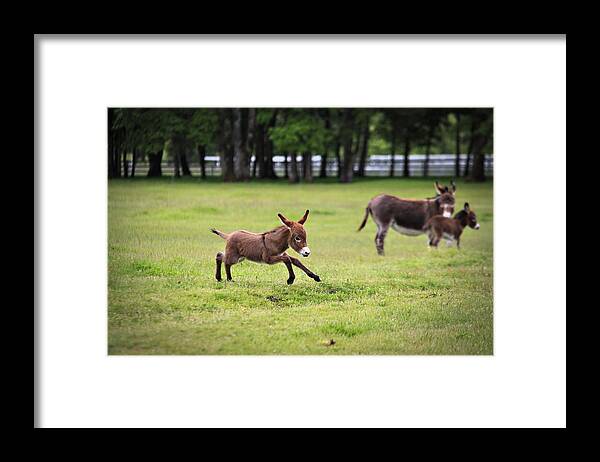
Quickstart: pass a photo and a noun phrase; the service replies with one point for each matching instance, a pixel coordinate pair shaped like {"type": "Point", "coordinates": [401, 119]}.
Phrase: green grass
{"type": "Point", "coordinates": [163, 298]}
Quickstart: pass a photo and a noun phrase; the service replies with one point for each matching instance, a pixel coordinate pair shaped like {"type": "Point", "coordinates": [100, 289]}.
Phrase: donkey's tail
{"type": "Point", "coordinates": [364, 222]}
{"type": "Point", "coordinates": [219, 233]}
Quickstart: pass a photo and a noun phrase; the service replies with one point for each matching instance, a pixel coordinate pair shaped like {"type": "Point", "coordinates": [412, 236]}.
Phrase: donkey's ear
{"type": "Point", "coordinates": [303, 219]}
{"type": "Point", "coordinates": [284, 220]}
{"type": "Point", "coordinates": [438, 188]}
{"type": "Point", "coordinates": [453, 187]}
{"type": "Point", "coordinates": [467, 207]}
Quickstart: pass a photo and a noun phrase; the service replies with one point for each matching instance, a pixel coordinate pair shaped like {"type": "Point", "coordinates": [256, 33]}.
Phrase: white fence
{"type": "Point", "coordinates": [377, 165]}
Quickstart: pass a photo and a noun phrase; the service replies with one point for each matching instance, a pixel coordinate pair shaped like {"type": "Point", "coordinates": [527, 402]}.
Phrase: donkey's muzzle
{"type": "Point", "coordinates": [305, 251]}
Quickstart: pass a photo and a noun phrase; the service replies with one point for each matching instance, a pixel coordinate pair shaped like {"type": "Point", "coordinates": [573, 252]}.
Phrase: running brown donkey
{"type": "Point", "coordinates": [268, 247]}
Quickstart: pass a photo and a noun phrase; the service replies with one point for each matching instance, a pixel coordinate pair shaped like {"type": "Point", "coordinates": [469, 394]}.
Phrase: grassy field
{"type": "Point", "coordinates": [163, 298]}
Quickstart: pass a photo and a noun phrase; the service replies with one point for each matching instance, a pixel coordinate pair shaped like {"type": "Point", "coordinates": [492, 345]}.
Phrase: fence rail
{"type": "Point", "coordinates": [439, 165]}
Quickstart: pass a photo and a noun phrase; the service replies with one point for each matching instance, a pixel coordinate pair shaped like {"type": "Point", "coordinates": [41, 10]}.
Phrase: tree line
{"type": "Point", "coordinates": [349, 135]}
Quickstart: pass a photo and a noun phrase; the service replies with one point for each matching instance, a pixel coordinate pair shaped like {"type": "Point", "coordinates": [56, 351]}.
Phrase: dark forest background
{"type": "Point", "coordinates": [347, 135]}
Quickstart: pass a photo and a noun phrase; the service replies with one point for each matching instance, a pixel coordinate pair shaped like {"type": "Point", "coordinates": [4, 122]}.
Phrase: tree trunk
{"type": "Point", "coordinates": [259, 150]}
{"type": "Point", "coordinates": [185, 167]}
{"type": "Point", "coordinates": [117, 153]}
{"type": "Point", "coordinates": [155, 160]}
{"type": "Point", "coordinates": [176, 165]}
{"type": "Point", "coordinates": [356, 148]}
{"type": "Point", "coordinates": [338, 159]}
{"type": "Point", "coordinates": [348, 159]}
{"type": "Point", "coordinates": [202, 159]}
{"type": "Point", "coordinates": [118, 162]}
{"type": "Point", "coordinates": [323, 169]}
{"type": "Point", "coordinates": [393, 154]}
{"type": "Point", "coordinates": [293, 168]}
{"type": "Point", "coordinates": [175, 154]}
{"type": "Point", "coordinates": [307, 166]}
{"type": "Point", "coordinates": [111, 167]}
{"type": "Point", "coordinates": [224, 144]}
{"type": "Point", "coordinates": [303, 164]}
{"type": "Point", "coordinates": [230, 153]}
{"type": "Point", "coordinates": [478, 142]}
{"type": "Point", "coordinates": [478, 171]}
{"type": "Point", "coordinates": [125, 166]}
{"type": "Point", "coordinates": [134, 155]}
{"type": "Point", "coordinates": [427, 152]}
{"type": "Point", "coordinates": [364, 150]}
{"type": "Point", "coordinates": [111, 162]}
{"type": "Point", "coordinates": [250, 130]}
{"type": "Point", "coordinates": [406, 167]}
{"type": "Point", "coordinates": [268, 146]}
{"type": "Point", "coordinates": [115, 161]}
{"type": "Point", "coordinates": [111, 143]}
{"type": "Point", "coordinates": [347, 163]}
{"type": "Point", "coordinates": [467, 162]}
{"type": "Point", "coordinates": [457, 161]}
{"type": "Point", "coordinates": [470, 148]}
{"type": "Point", "coordinates": [269, 164]}
{"type": "Point", "coordinates": [241, 163]}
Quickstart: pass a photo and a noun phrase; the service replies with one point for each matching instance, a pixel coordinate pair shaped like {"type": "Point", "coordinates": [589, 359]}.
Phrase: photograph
{"type": "Point", "coordinates": [255, 231]}
{"type": "Point", "coordinates": [300, 230]}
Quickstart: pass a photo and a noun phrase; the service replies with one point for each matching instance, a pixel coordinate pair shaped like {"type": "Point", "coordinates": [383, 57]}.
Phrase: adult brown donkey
{"type": "Point", "coordinates": [407, 216]}
{"type": "Point", "coordinates": [268, 247]}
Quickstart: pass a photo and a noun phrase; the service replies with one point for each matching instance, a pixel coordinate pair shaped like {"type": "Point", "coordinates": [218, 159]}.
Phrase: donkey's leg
{"type": "Point", "coordinates": [229, 261]}
{"type": "Point", "coordinates": [439, 235]}
{"type": "Point", "coordinates": [219, 260]}
{"type": "Point", "coordinates": [285, 259]}
{"type": "Point", "coordinates": [377, 236]}
{"type": "Point", "coordinates": [228, 271]}
{"type": "Point", "coordinates": [430, 237]}
{"type": "Point", "coordinates": [308, 272]}
{"type": "Point", "coordinates": [230, 258]}
{"type": "Point", "coordinates": [291, 275]}
{"type": "Point", "coordinates": [382, 230]}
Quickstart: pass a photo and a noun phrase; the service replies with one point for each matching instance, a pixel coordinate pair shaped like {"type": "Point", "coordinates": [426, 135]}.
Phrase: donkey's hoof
{"type": "Point", "coordinates": [317, 278]}
{"type": "Point", "coordinates": [219, 279]}
{"type": "Point", "coordinates": [291, 280]}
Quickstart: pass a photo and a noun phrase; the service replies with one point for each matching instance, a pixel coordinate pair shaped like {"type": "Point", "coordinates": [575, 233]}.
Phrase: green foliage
{"type": "Point", "coordinates": [264, 115]}
{"type": "Point", "coordinates": [302, 130]}
{"type": "Point", "coordinates": [149, 129]}
{"type": "Point", "coordinates": [378, 145]}
{"type": "Point", "coordinates": [310, 130]}
{"type": "Point", "coordinates": [203, 126]}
